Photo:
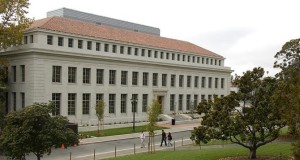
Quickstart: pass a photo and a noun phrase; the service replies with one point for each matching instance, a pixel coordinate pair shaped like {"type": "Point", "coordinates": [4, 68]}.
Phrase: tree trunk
{"type": "Point", "coordinates": [252, 153]}
{"type": "Point", "coordinates": [98, 127]}
{"type": "Point", "coordinates": [38, 156]}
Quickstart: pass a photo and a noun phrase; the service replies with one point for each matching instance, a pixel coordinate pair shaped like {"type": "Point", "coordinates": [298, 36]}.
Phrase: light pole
{"type": "Point", "coordinates": [133, 103]}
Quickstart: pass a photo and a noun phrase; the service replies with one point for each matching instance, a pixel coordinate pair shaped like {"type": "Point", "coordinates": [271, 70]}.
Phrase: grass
{"type": "Point", "coordinates": [117, 131]}
{"type": "Point", "coordinates": [278, 149]}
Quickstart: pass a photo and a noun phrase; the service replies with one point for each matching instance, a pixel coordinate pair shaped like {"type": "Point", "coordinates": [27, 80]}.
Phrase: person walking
{"type": "Point", "coordinates": [142, 137]}
{"type": "Point", "coordinates": [170, 139]}
{"type": "Point", "coordinates": [163, 138]}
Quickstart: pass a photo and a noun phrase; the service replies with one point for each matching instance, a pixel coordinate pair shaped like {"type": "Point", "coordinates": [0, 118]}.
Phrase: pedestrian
{"type": "Point", "coordinates": [163, 138]}
{"type": "Point", "coordinates": [169, 140]}
{"type": "Point", "coordinates": [142, 137]}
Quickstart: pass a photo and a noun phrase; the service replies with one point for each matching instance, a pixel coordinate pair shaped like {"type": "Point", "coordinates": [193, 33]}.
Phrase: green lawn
{"type": "Point", "coordinates": [118, 131]}
{"type": "Point", "coordinates": [278, 149]}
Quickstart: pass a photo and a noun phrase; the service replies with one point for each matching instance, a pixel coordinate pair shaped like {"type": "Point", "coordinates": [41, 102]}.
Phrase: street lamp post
{"type": "Point", "coordinates": [133, 103]}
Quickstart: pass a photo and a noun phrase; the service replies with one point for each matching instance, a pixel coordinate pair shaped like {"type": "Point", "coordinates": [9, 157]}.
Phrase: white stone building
{"type": "Point", "coordinates": [76, 62]}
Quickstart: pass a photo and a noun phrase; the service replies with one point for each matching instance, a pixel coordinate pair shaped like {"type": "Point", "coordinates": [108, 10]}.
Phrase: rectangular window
{"type": "Point", "coordinates": [155, 54]}
{"type": "Point", "coordinates": [122, 49]}
{"type": "Point", "coordinates": [207, 60]}
{"type": "Point", "coordinates": [99, 76]}
{"type": "Point", "coordinates": [99, 97]}
{"type": "Point", "coordinates": [178, 57]}
{"type": "Point", "coordinates": [215, 62]}
{"type": "Point", "coordinates": [135, 78]}
{"type": "Point", "coordinates": [80, 44]}
{"type": "Point", "coordinates": [89, 45]}
{"type": "Point", "coordinates": [209, 97]}
{"type": "Point", "coordinates": [106, 47]}
{"type": "Point", "coordinates": [85, 103]}
{"type": "Point", "coordinates": [112, 76]}
{"type": "Point", "coordinates": [145, 102]}
{"type": "Point", "coordinates": [167, 55]}
{"type": "Point", "coordinates": [123, 103]}
{"type": "Point", "coordinates": [188, 58]}
{"type": "Point", "coordinates": [196, 81]}
{"type": "Point", "coordinates": [181, 79]}
{"type": "Point", "coordinates": [145, 78]}
{"type": "Point", "coordinates": [97, 46]}
{"type": "Point", "coordinates": [14, 73]}
{"type": "Point", "coordinates": [56, 74]}
{"type": "Point", "coordinates": [198, 59]}
{"type": "Point", "coordinates": [60, 41]}
{"type": "Point", "coordinates": [193, 59]}
{"type": "Point", "coordinates": [220, 62]}
{"type": "Point", "coordinates": [129, 50]}
{"type": "Point", "coordinates": [203, 60]}
{"type": "Point", "coordinates": [188, 81]}
{"type": "Point", "coordinates": [86, 76]}
{"type": "Point", "coordinates": [173, 56]}
{"type": "Point", "coordinates": [56, 100]}
{"type": "Point", "coordinates": [183, 57]}
{"type": "Point", "coordinates": [70, 42]}
{"type": "Point", "coordinates": [154, 79]}
{"type": "Point", "coordinates": [71, 103]}
{"type": "Point", "coordinates": [203, 82]}
{"type": "Point", "coordinates": [49, 39]}
{"type": "Point", "coordinates": [72, 74]}
{"type": "Point", "coordinates": [136, 51]}
{"type": "Point", "coordinates": [164, 80]}
{"type": "Point", "coordinates": [14, 100]}
{"type": "Point", "coordinates": [31, 38]}
{"type": "Point", "coordinates": [222, 82]}
{"type": "Point", "coordinates": [22, 99]}
{"type": "Point", "coordinates": [209, 82]}
{"type": "Point", "coordinates": [25, 39]}
{"type": "Point", "coordinates": [195, 102]}
{"type": "Point", "coordinates": [143, 52]}
{"type": "Point", "coordinates": [22, 67]}
{"type": "Point", "coordinates": [161, 55]}
{"type": "Point", "coordinates": [149, 53]}
{"type": "Point", "coordinates": [111, 103]}
{"type": "Point", "coordinates": [172, 102]}
{"type": "Point", "coordinates": [216, 82]}
{"type": "Point", "coordinates": [114, 49]}
{"type": "Point", "coordinates": [124, 75]}
{"type": "Point", "coordinates": [188, 101]}
{"type": "Point", "coordinates": [180, 102]}
{"type": "Point", "coordinates": [134, 106]}
{"type": "Point", "coordinates": [173, 80]}
{"type": "Point", "coordinates": [202, 97]}
{"type": "Point", "coordinates": [211, 61]}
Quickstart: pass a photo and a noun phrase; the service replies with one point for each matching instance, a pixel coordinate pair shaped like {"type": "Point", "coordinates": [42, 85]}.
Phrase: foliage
{"type": "Point", "coordinates": [287, 95]}
{"type": "Point", "coordinates": [247, 118]}
{"type": "Point", "coordinates": [153, 113]}
{"type": "Point", "coordinates": [32, 129]}
{"type": "Point", "coordinates": [100, 113]}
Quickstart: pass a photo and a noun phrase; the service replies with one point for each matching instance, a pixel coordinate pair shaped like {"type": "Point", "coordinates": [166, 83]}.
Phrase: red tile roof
{"type": "Point", "coordinates": [72, 26]}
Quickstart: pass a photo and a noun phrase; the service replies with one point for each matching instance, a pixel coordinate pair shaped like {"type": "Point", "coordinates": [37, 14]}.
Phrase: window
{"type": "Point", "coordinates": [149, 53]}
{"type": "Point", "coordinates": [25, 40]}
{"type": "Point", "coordinates": [133, 107]}
{"type": "Point", "coordinates": [203, 82]}
{"type": "Point", "coordinates": [209, 82]}
{"type": "Point", "coordinates": [211, 61]}
{"type": "Point", "coordinates": [188, 81]}
{"type": "Point", "coordinates": [85, 103]}
{"type": "Point", "coordinates": [31, 38]}
{"type": "Point", "coordinates": [207, 60]}
{"type": "Point", "coordinates": [222, 82]}
{"type": "Point", "coordinates": [145, 102]}
{"type": "Point", "coordinates": [173, 80]}
{"type": "Point", "coordinates": [188, 101]}
{"type": "Point", "coordinates": [111, 103]}
{"type": "Point", "coordinates": [180, 102]}
{"type": "Point", "coordinates": [71, 103]}
{"type": "Point", "coordinates": [129, 50]}
{"type": "Point", "coordinates": [72, 74]}
{"type": "Point", "coordinates": [202, 97]}
{"type": "Point", "coordinates": [164, 80]}
{"type": "Point", "coordinates": [135, 78]}
{"type": "Point", "coordinates": [122, 49]}
{"type": "Point", "coordinates": [193, 59]}
{"type": "Point", "coordinates": [56, 98]}
{"type": "Point", "coordinates": [99, 76]}
{"type": "Point", "coordinates": [154, 79]}
{"type": "Point", "coordinates": [14, 73]}
{"type": "Point", "coordinates": [215, 62]}
{"type": "Point", "coordinates": [124, 77]}
{"type": "Point", "coordinates": [181, 79]}
{"type": "Point", "coordinates": [143, 52]}
{"type": "Point", "coordinates": [14, 101]}
{"type": "Point", "coordinates": [80, 43]}
{"type": "Point", "coordinates": [195, 102]}
{"type": "Point", "coordinates": [145, 78]}
{"type": "Point", "coordinates": [220, 62]}
{"type": "Point", "coordinates": [188, 58]}
{"type": "Point", "coordinates": [89, 45]}
{"type": "Point", "coordinates": [99, 97]}
{"type": "Point", "coordinates": [196, 81]}
{"type": "Point", "coordinates": [106, 47]}
{"type": "Point", "coordinates": [70, 42]}
{"type": "Point", "coordinates": [114, 48]}
{"type": "Point", "coordinates": [216, 82]}
{"type": "Point", "coordinates": [22, 99]}
{"type": "Point", "coordinates": [198, 59]}
{"type": "Point", "coordinates": [56, 74]}
{"type": "Point", "coordinates": [112, 76]}
{"type": "Point", "coordinates": [136, 51]}
{"type": "Point", "coordinates": [167, 55]}
{"type": "Point", "coordinates": [172, 102]}
{"type": "Point", "coordinates": [173, 56]}
{"type": "Point", "coordinates": [22, 67]}
{"type": "Point", "coordinates": [222, 96]}
{"type": "Point", "coordinates": [60, 41]}
{"type": "Point", "coordinates": [155, 54]}
{"type": "Point", "coordinates": [161, 55]}
{"type": "Point", "coordinates": [178, 57]}
{"type": "Point", "coordinates": [49, 39]}
{"type": "Point", "coordinates": [183, 57]}
{"type": "Point", "coordinates": [97, 46]}
{"type": "Point", "coordinates": [203, 60]}
{"type": "Point", "coordinates": [86, 76]}
{"type": "Point", "coordinates": [209, 97]}
{"type": "Point", "coordinates": [123, 103]}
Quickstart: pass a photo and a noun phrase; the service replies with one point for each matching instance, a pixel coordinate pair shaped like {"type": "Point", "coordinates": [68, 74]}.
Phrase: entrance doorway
{"type": "Point", "coordinates": [160, 100]}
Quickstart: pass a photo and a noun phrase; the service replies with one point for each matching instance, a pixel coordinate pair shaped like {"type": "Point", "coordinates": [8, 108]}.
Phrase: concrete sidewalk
{"type": "Point", "coordinates": [172, 129]}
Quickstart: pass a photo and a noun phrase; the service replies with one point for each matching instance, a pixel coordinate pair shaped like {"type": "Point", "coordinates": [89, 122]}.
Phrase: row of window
{"type": "Point", "coordinates": [14, 100]}
{"type": "Point", "coordinates": [130, 50]}
{"type": "Point", "coordinates": [86, 78]}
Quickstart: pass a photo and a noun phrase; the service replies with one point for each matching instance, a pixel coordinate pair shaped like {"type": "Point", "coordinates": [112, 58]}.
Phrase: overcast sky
{"type": "Point", "coordinates": [248, 33]}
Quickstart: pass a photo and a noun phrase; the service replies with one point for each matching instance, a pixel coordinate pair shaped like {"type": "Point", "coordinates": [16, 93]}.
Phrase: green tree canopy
{"type": "Point", "coordinates": [248, 117]}
{"type": "Point", "coordinates": [32, 129]}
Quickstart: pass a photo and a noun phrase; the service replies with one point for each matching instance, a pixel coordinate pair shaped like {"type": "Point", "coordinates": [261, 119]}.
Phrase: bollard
{"type": "Point", "coordinates": [94, 154]}
{"type": "Point", "coordinates": [70, 155]}
{"type": "Point", "coordinates": [115, 151]}
{"type": "Point", "coordinates": [174, 145]}
{"type": "Point", "coordinates": [133, 148]}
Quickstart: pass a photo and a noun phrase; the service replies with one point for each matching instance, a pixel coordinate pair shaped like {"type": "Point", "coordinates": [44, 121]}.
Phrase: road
{"type": "Point", "coordinates": [107, 149]}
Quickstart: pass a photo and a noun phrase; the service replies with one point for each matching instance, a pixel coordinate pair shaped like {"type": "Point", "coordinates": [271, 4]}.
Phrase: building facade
{"type": "Point", "coordinates": [76, 63]}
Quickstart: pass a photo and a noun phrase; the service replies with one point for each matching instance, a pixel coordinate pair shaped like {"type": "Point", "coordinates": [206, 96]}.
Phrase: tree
{"type": "Point", "coordinates": [247, 118]}
{"type": "Point", "coordinates": [100, 114]}
{"type": "Point", "coordinates": [287, 95]}
{"type": "Point", "coordinates": [153, 113]}
{"type": "Point", "coordinates": [32, 129]}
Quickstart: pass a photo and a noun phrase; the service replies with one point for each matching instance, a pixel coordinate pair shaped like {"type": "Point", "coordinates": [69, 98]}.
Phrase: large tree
{"type": "Point", "coordinates": [248, 117]}
{"type": "Point", "coordinates": [100, 106]}
{"type": "Point", "coordinates": [153, 112]}
{"type": "Point", "coordinates": [33, 130]}
{"type": "Point", "coordinates": [287, 95]}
